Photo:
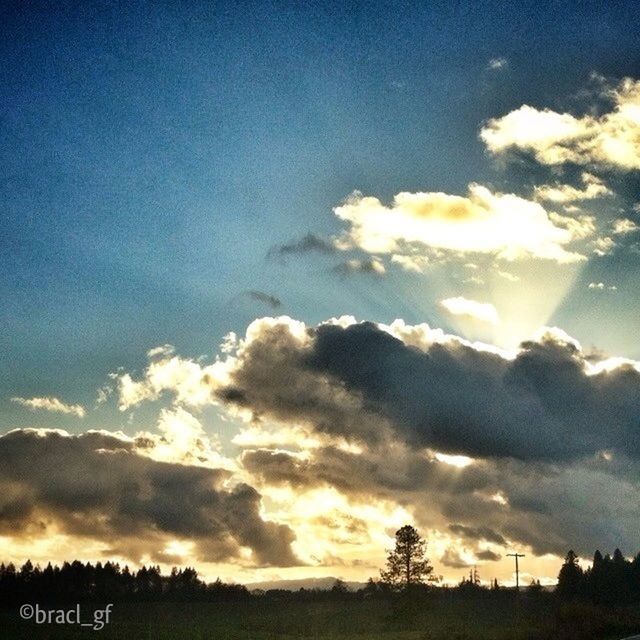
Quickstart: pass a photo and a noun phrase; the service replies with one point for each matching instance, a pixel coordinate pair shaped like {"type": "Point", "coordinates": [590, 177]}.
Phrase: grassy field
{"type": "Point", "coordinates": [333, 620]}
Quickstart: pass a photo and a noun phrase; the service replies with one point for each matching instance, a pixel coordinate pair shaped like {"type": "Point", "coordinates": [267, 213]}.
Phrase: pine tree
{"type": "Point", "coordinates": [570, 578]}
{"type": "Point", "coordinates": [407, 564]}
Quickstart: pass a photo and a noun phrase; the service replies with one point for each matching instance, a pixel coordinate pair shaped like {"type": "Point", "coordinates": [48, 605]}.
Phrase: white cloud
{"type": "Point", "coordinates": [594, 188]}
{"type": "Point", "coordinates": [505, 225]}
{"type": "Point", "coordinates": [163, 351]}
{"type": "Point", "coordinates": [609, 140]}
{"type": "Point", "coordinates": [103, 394]}
{"type": "Point", "coordinates": [183, 439]}
{"type": "Point", "coordinates": [579, 227]}
{"type": "Point", "coordinates": [497, 64]}
{"type": "Point", "coordinates": [190, 381]}
{"type": "Point", "coordinates": [372, 266]}
{"type": "Point", "coordinates": [622, 226]}
{"type": "Point", "coordinates": [603, 246]}
{"type": "Point", "coordinates": [454, 461]}
{"type": "Point", "coordinates": [601, 286]}
{"type": "Point", "coordinates": [417, 264]}
{"type": "Point", "coordinates": [482, 311]}
{"type": "Point", "coordinates": [51, 404]}
{"type": "Point", "coordinates": [508, 276]}
{"type": "Point", "coordinates": [532, 130]}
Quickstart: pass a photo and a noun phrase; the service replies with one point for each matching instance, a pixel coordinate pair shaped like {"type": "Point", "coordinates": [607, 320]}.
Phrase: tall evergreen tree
{"type": "Point", "coordinates": [570, 578]}
{"type": "Point", "coordinates": [597, 559]}
{"type": "Point", "coordinates": [406, 563]}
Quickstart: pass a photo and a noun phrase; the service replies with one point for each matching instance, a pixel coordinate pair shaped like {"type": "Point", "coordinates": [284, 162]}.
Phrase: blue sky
{"type": "Point", "coordinates": [152, 155]}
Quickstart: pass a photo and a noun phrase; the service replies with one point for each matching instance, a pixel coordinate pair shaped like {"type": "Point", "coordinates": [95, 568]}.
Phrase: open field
{"type": "Point", "coordinates": [345, 620]}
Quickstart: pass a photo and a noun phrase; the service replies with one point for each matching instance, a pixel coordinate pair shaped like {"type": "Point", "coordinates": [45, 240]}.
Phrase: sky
{"type": "Point", "coordinates": [278, 279]}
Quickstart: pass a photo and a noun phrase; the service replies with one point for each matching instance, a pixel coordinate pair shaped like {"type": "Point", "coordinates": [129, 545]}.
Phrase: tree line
{"type": "Point", "coordinates": [610, 580]}
{"type": "Point", "coordinates": [79, 582]}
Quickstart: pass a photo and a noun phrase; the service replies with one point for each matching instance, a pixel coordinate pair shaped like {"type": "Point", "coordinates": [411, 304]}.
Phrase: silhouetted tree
{"type": "Point", "coordinates": [570, 577]}
{"type": "Point", "coordinates": [534, 586]}
{"type": "Point", "coordinates": [339, 587]}
{"type": "Point", "coordinates": [472, 582]}
{"type": "Point", "coordinates": [597, 559]}
{"type": "Point", "coordinates": [406, 563]}
{"type": "Point", "coordinates": [371, 589]}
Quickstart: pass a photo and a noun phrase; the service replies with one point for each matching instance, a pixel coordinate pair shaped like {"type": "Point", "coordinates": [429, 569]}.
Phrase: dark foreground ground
{"type": "Point", "coordinates": [345, 620]}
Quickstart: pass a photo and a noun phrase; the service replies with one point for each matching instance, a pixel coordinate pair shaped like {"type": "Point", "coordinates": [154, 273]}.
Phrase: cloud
{"type": "Point", "coordinates": [265, 298]}
{"type": "Point", "coordinates": [477, 533]}
{"type": "Point", "coordinates": [361, 382]}
{"type": "Point", "coordinates": [277, 467]}
{"type": "Point", "coordinates": [510, 277]}
{"type": "Point", "coordinates": [593, 188]}
{"type": "Point", "coordinates": [190, 381]}
{"type": "Point", "coordinates": [372, 266]}
{"type": "Point", "coordinates": [381, 409]}
{"type": "Point", "coordinates": [389, 470]}
{"type": "Point", "coordinates": [414, 263]}
{"type": "Point", "coordinates": [622, 226]}
{"type": "Point", "coordinates": [504, 225]}
{"type": "Point", "coordinates": [365, 382]}
{"type": "Point", "coordinates": [503, 502]}
{"type": "Point", "coordinates": [580, 227]}
{"type": "Point", "coordinates": [97, 485]}
{"type": "Point", "coordinates": [601, 286]}
{"type": "Point", "coordinates": [611, 140]}
{"type": "Point", "coordinates": [182, 439]}
{"type": "Point", "coordinates": [481, 311]}
{"type": "Point", "coordinates": [455, 559]}
{"type": "Point", "coordinates": [307, 244]}
{"type": "Point", "coordinates": [603, 246]}
{"type": "Point", "coordinates": [162, 351]}
{"type": "Point", "coordinates": [51, 404]}
{"type": "Point", "coordinates": [497, 64]}
{"type": "Point", "coordinates": [488, 556]}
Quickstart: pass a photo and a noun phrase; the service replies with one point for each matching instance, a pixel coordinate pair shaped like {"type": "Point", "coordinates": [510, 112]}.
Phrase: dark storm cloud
{"type": "Point", "coordinates": [384, 471]}
{"type": "Point", "coordinates": [537, 425]}
{"type": "Point", "coordinates": [272, 380]}
{"type": "Point", "coordinates": [265, 298]}
{"type": "Point", "coordinates": [96, 485]}
{"type": "Point", "coordinates": [309, 243]}
{"type": "Point", "coordinates": [277, 467]}
{"type": "Point", "coordinates": [449, 396]}
{"type": "Point", "coordinates": [477, 533]}
{"type": "Point", "coordinates": [487, 555]}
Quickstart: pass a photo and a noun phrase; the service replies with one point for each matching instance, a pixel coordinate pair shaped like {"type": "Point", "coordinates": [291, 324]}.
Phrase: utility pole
{"type": "Point", "coordinates": [516, 556]}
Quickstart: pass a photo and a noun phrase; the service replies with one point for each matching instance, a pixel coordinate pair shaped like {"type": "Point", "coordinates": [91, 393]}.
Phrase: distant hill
{"type": "Point", "coordinates": [303, 583]}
